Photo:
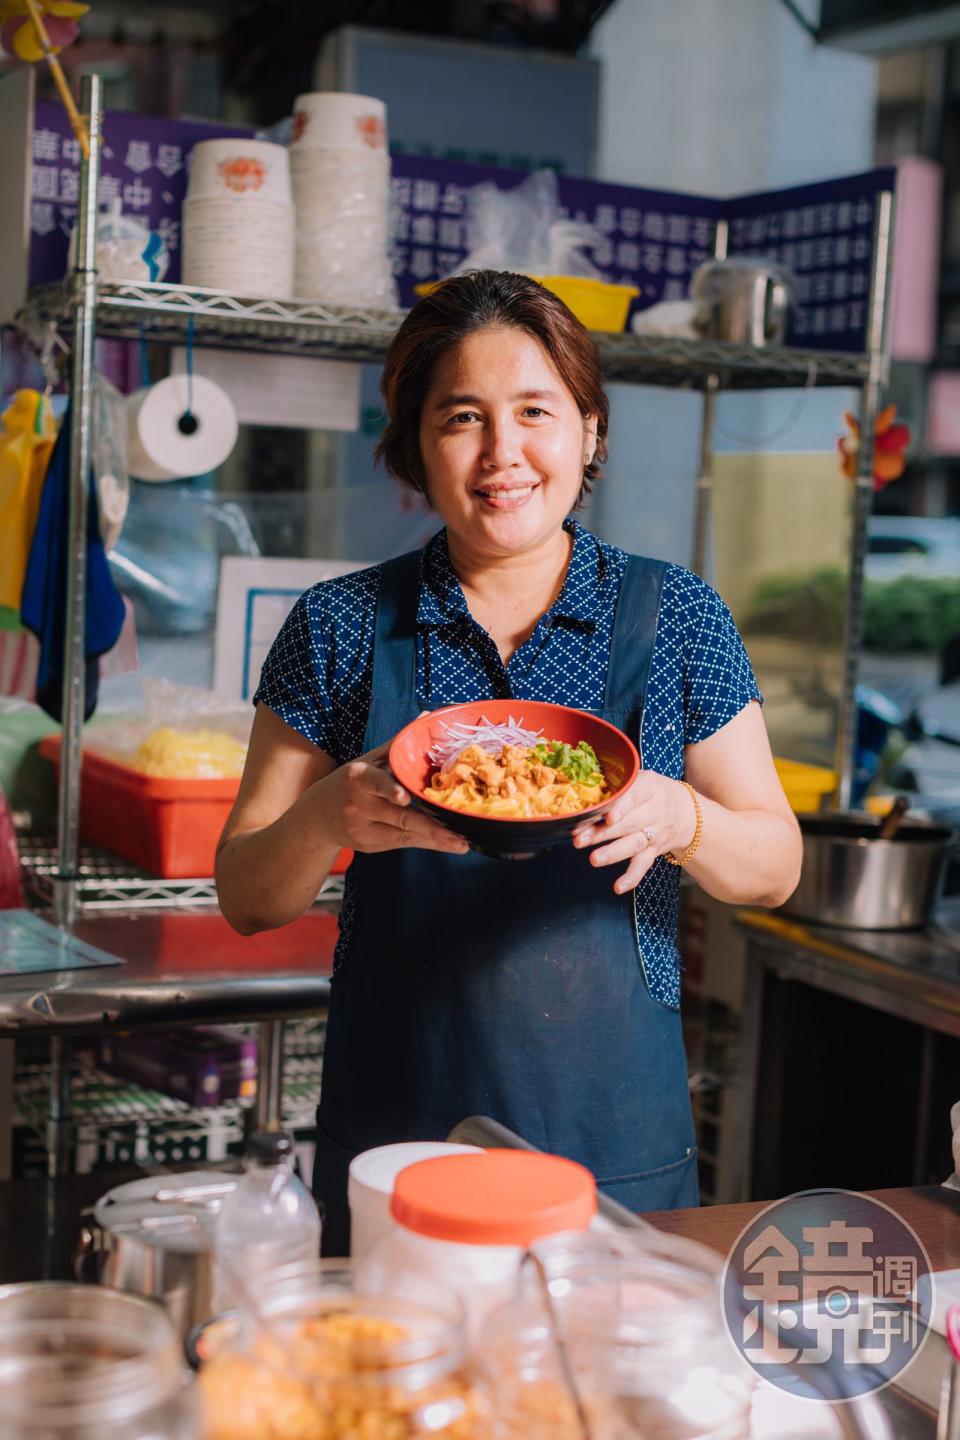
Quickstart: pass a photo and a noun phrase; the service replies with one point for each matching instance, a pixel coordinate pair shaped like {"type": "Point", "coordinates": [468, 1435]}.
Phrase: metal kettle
{"type": "Point", "coordinates": [742, 300]}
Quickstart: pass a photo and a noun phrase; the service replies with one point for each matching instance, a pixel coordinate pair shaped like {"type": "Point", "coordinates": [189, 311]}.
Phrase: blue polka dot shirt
{"type": "Point", "coordinates": [317, 678]}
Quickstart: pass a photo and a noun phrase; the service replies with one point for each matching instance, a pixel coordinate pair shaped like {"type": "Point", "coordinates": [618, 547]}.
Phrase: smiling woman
{"type": "Point", "coordinates": [543, 993]}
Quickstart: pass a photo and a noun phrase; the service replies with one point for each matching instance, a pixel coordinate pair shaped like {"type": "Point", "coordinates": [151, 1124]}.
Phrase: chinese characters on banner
{"type": "Point", "coordinates": [143, 164]}
{"type": "Point", "coordinates": [651, 239]}
{"type": "Point", "coordinates": [823, 234]}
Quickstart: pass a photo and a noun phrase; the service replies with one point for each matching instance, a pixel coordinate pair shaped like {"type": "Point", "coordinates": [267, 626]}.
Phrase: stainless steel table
{"type": "Point", "coordinates": [913, 975]}
{"type": "Point", "coordinates": [181, 967]}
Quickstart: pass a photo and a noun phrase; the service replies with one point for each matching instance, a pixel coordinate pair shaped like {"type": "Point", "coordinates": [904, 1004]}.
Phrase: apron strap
{"type": "Point", "coordinates": [631, 650]}
{"type": "Point", "coordinates": [634, 634]}
{"type": "Point", "coordinates": [395, 633]}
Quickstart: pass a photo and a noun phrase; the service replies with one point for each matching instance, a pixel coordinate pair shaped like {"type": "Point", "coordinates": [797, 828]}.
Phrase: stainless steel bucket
{"type": "Point", "coordinates": [743, 301]}
{"type": "Point", "coordinates": [152, 1237]}
{"type": "Point", "coordinates": [852, 879]}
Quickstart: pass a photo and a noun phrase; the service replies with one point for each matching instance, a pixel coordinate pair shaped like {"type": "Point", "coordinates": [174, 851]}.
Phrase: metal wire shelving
{"type": "Point", "coordinates": [168, 314]}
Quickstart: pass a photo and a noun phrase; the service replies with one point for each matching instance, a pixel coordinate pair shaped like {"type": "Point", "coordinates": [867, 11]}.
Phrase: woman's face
{"type": "Point", "coordinates": [503, 443]}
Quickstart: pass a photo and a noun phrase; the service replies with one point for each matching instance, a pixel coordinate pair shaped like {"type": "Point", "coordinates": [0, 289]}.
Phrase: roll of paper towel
{"type": "Point", "coordinates": [179, 427]}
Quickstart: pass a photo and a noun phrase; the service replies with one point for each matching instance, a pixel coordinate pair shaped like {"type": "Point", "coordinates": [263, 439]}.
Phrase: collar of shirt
{"type": "Point", "coordinates": [442, 601]}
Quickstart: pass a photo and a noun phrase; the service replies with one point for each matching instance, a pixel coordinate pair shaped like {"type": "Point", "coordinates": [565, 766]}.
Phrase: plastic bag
{"type": "Point", "coordinates": [127, 249]}
{"type": "Point", "coordinates": [522, 230]}
{"type": "Point", "coordinates": [168, 558]}
{"type": "Point", "coordinates": [182, 733]}
{"type": "Point", "coordinates": [108, 456]}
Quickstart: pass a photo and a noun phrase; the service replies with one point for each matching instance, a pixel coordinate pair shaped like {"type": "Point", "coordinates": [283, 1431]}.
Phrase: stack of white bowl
{"type": "Point", "coordinates": [340, 169]}
{"type": "Point", "coordinates": [238, 218]}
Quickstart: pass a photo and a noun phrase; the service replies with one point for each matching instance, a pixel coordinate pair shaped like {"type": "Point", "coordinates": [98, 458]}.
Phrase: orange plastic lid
{"type": "Point", "coordinates": [502, 1197]}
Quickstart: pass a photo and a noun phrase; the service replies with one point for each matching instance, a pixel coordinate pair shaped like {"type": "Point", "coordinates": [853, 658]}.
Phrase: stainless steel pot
{"type": "Point", "coordinates": [741, 300]}
{"type": "Point", "coordinates": [852, 879]}
{"type": "Point", "coordinates": [152, 1237]}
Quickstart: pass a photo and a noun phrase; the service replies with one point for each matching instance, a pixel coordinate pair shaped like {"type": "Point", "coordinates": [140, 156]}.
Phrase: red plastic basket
{"type": "Point", "coordinates": [169, 828]}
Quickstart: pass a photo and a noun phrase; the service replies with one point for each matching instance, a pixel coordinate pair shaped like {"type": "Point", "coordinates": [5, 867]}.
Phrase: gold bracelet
{"type": "Point", "coordinates": [694, 845]}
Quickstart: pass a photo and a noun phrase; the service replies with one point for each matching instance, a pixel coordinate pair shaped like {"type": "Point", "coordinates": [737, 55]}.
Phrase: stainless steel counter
{"type": "Point", "coordinates": [914, 974]}
{"type": "Point", "coordinates": [180, 967]}
{"type": "Point", "coordinates": [911, 975]}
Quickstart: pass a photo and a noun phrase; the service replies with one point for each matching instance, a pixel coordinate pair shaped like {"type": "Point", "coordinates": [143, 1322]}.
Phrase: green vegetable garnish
{"type": "Point", "coordinates": [580, 764]}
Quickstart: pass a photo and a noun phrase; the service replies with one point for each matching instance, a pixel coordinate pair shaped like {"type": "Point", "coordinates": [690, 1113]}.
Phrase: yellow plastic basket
{"type": "Point", "coordinates": [596, 303]}
{"type": "Point", "coordinates": [805, 785]}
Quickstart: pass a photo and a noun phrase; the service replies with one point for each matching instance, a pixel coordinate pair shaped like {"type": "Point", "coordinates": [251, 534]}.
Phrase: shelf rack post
{"type": "Point", "coordinates": [83, 300]}
{"type": "Point", "coordinates": [877, 374]}
{"type": "Point", "coordinates": [703, 503]}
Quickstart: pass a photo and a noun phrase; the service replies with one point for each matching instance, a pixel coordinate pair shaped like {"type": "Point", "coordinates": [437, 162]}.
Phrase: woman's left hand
{"type": "Point", "coordinates": [655, 815]}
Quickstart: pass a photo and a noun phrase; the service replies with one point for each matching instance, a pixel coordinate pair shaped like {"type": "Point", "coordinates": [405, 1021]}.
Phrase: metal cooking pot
{"type": "Point", "coordinates": [152, 1237]}
{"type": "Point", "coordinates": [852, 879]}
{"type": "Point", "coordinates": [742, 300]}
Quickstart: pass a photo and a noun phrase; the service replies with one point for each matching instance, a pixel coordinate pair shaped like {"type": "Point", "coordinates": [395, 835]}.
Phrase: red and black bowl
{"type": "Point", "coordinates": [495, 835]}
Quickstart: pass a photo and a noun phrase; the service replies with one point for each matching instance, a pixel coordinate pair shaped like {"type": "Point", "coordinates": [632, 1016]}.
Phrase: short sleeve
{"type": "Point", "coordinates": [719, 680]}
{"type": "Point", "coordinates": [293, 681]}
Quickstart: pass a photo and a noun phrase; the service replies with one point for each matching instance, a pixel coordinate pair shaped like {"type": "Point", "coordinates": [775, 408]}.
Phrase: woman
{"type": "Point", "coordinates": [544, 993]}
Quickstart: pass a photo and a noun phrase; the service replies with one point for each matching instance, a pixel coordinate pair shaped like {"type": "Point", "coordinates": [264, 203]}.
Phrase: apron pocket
{"type": "Point", "coordinates": [661, 972]}
{"type": "Point", "coordinates": [669, 1187]}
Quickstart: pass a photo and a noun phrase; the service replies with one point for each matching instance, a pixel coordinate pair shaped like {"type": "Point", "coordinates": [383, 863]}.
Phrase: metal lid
{"type": "Point", "coordinates": [173, 1212]}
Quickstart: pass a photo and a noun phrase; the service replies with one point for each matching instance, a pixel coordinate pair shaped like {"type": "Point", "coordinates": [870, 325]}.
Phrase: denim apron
{"type": "Point", "coordinates": [513, 989]}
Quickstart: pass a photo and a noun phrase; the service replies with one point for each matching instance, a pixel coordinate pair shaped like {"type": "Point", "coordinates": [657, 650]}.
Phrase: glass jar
{"type": "Point", "coordinates": [641, 1339]}
{"type": "Point", "coordinates": [81, 1362]}
{"type": "Point", "coordinates": [323, 1359]}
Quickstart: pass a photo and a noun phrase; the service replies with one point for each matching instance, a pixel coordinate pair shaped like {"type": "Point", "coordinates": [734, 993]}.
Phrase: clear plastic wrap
{"type": "Point", "coordinates": [182, 733]}
{"type": "Point", "coordinates": [522, 230]}
{"type": "Point", "coordinates": [342, 250]}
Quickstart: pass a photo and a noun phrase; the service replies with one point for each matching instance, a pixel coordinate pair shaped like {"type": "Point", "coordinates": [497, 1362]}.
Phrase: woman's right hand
{"type": "Point", "coordinates": [370, 812]}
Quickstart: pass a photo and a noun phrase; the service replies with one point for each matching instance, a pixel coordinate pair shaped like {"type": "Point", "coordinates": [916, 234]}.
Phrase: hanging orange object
{"type": "Point", "coordinates": [890, 443]}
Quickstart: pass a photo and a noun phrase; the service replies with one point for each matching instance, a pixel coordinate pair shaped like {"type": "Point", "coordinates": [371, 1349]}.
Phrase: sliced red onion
{"type": "Point", "coordinates": [489, 737]}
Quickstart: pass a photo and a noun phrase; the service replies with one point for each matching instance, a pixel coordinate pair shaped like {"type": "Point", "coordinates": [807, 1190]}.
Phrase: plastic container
{"type": "Point", "coordinates": [596, 303]}
{"type": "Point", "coordinates": [81, 1362]}
{"type": "Point", "coordinates": [336, 1361]}
{"type": "Point", "coordinates": [467, 1221]}
{"type": "Point", "coordinates": [268, 1222]}
{"type": "Point", "coordinates": [169, 828]}
{"type": "Point", "coordinates": [645, 1341]}
{"type": "Point", "coordinates": [370, 1186]}
{"type": "Point", "coordinates": [329, 120]}
{"type": "Point", "coordinates": [805, 785]}
{"type": "Point", "coordinates": [253, 170]}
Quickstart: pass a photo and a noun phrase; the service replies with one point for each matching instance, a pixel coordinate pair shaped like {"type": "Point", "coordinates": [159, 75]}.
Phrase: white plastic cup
{"type": "Point", "coordinates": [327, 120]}
{"type": "Point", "coordinates": [370, 1186]}
{"type": "Point", "coordinates": [238, 168]}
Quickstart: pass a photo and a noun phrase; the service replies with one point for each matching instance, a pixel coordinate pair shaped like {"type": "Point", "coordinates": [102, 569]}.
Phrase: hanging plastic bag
{"type": "Point", "coordinates": [108, 456]}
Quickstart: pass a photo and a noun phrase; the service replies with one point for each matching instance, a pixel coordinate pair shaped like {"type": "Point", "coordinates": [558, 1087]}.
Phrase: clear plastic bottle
{"type": "Point", "coordinates": [269, 1221]}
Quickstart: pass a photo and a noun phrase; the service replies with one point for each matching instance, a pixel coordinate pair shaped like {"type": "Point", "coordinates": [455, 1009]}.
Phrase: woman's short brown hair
{"type": "Point", "coordinates": [457, 308]}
